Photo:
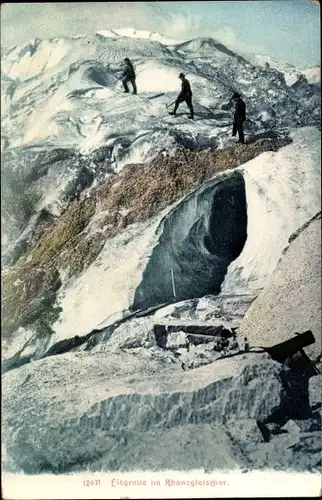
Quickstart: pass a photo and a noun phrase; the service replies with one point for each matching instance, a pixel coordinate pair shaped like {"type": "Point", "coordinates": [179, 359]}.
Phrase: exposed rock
{"type": "Point", "coordinates": [144, 190]}
{"type": "Point", "coordinates": [178, 339]}
{"type": "Point", "coordinates": [206, 310]}
{"type": "Point", "coordinates": [138, 332]}
{"type": "Point", "coordinates": [291, 301]}
{"type": "Point", "coordinates": [25, 300]}
{"type": "Point", "coordinates": [73, 408]}
{"type": "Point", "coordinates": [122, 411]}
{"type": "Point", "coordinates": [288, 452]}
{"type": "Point", "coordinates": [202, 319]}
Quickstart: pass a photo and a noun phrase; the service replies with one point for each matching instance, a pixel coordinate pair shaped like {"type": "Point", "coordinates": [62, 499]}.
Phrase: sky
{"type": "Point", "coordinates": [288, 30]}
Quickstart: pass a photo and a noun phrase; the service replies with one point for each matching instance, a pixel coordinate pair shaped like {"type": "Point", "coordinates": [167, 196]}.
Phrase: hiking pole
{"type": "Point", "coordinates": [168, 105]}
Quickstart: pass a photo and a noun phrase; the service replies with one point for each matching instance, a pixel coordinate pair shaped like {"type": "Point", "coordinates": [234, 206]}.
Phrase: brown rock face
{"type": "Point", "coordinates": [291, 301]}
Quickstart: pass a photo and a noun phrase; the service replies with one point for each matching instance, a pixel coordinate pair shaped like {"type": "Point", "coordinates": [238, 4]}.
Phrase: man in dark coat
{"type": "Point", "coordinates": [239, 117]}
{"type": "Point", "coordinates": [184, 96]}
{"type": "Point", "coordinates": [129, 76]}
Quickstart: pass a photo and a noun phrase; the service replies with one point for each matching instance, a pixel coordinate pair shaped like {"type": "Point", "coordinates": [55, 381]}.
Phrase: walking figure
{"type": "Point", "coordinates": [129, 76]}
{"type": "Point", "coordinates": [184, 96]}
{"type": "Point", "coordinates": [239, 117]}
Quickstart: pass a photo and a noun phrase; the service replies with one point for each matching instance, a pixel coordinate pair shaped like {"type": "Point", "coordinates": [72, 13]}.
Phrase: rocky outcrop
{"type": "Point", "coordinates": [118, 411]}
{"type": "Point", "coordinates": [291, 301]}
{"type": "Point", "coordinates": [210, 319]}
{"type": "Point", "coordinates": [206, 310]}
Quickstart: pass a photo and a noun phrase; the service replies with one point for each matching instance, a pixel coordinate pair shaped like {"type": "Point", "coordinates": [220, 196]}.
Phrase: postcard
{"type": "Point", "coordinates": [161, 249]}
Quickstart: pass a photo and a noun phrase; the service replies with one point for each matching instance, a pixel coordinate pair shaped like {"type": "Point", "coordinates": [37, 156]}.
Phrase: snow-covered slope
{"type": "Point", "coordinates": [313, 74]}
{"type": "Point", "coordinates": [67, 92]}
{"type": "Point", "coordinates": [145, 34]}
{"type": "Point", "coordinates": [282, 193]}
{"type": "Point", "coordinates": [290, 72]}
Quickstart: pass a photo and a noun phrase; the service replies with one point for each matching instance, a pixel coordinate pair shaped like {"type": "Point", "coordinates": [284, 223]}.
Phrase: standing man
{"type": "Point", "coordinates": [184, 96]}
{"type": "Point", "coordinates": [239, 117]}
{"type": "Point", "coordinates": [129, 76]}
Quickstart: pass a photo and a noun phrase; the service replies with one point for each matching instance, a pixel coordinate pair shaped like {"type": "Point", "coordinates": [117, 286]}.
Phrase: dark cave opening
{"type": "Point", "coordinates": [199, 240]}
{"type": "Point", "coordinates": [227, 231]}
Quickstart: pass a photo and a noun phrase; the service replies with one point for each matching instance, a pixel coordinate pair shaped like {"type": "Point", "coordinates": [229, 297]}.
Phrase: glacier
{"type": "Point", "coordinates": [87, 386]}
{"type": "Point", "coordinates": [136, 272]}
{"type": "Point", "coordinates": [66, 93]}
